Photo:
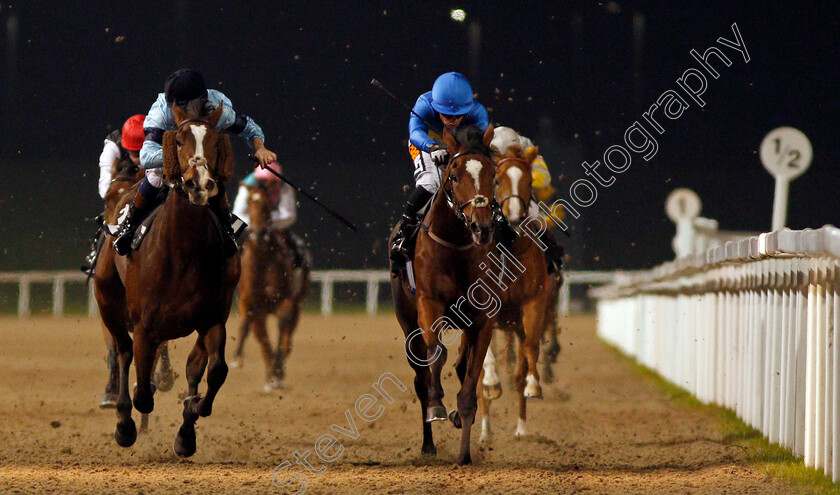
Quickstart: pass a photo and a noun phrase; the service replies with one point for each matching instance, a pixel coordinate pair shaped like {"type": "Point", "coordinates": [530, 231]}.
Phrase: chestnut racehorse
{"type": "Point", "coordinates": [525, 302]}
{"type": "Point", "coordinates": [450, 254]}
{"type": "Point", "coordinates": [178, 281]}
{"type": "Point", "coordinates": [270, 284]}
{"type": "Point", "coordinates": [124, 174]}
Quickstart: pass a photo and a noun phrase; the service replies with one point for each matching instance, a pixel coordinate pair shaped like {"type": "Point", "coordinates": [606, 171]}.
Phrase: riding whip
{"type": "Point", "coordinates": [326, 208]}
{"type": "Point", "coordinates": [379, 85]}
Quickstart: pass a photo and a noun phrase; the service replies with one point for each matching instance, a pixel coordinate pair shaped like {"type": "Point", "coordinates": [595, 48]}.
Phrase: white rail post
{"type": "Point", "coordinates": [835, 403]}
{"type": "Point", "coordinates": [93, 307]}
{"type": "Point", "coordinates": [58, 296]}
{"type": "Point", "coordinates": [565, 297]}
{"type": "Point", "coordinates": [372, 301]}
{"type": "Point", "coordinates": [23, 296]}
{"type": "Point", "coordinates": [327, 295]}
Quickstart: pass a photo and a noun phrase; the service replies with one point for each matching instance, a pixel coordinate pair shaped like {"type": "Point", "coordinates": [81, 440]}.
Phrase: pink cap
{"type": "Point", "coordinates": [261, 173]}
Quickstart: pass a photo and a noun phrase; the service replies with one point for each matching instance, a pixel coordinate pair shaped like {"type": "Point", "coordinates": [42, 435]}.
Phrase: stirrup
{"type": "Point", "coordinates": [401, 246]}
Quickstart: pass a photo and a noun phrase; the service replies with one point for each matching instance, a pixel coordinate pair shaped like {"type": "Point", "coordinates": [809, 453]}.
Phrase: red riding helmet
{"type": "Point", "coordinates": [132, 133]}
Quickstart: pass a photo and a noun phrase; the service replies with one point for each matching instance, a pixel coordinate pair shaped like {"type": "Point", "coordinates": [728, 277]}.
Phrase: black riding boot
{"type": "Point", "coordinates": [554, 252]}
{"type": "Point", "coordinates": [130, 217]}
{"type": "Point", "coordinates": [96, 245]}
{"type": "Point", "coordinates": [132, 214]}
{"type": "Point", "coordinates": [402, 249]}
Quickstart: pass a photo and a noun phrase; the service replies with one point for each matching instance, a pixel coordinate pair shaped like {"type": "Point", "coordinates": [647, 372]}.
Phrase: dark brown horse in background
{"type": "Point", "coordinates": [177, 282]}
{"type": "Point", "coordinates": [270, 284]}
{"type": "Point", "coordinates": [450, 252]}
{"type": "Point", "coordinates": [526, 300]}
{"type": "Point", "coordinates": [124, 174]}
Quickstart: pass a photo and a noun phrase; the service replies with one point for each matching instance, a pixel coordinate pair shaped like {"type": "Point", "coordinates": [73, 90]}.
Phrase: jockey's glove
{"type": "Point", "coordinates": [440, 157]}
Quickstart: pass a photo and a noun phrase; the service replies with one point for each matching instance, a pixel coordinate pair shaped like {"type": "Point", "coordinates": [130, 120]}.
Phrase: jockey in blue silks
{"type": "Point", "coordinates": [187, 89]}
{"type": "Point", "coordinates": [450, 103]}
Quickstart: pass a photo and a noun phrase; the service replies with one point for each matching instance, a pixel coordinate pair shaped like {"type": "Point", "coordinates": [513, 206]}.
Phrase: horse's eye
{"type": "Point", "coordinates": [454, 178]}
{"type": "Point", "coordinates": [496, 182]}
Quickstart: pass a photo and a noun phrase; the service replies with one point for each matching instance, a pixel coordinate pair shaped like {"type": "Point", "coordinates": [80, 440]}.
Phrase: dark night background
{"type": "Point", "coordinates": [566, 74]}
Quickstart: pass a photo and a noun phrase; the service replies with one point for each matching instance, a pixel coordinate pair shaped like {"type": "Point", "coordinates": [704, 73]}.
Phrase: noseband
{"type": "Point", "coordinates": [516, 196]}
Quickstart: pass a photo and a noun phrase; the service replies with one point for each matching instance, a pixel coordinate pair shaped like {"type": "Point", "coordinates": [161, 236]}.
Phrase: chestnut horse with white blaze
{"type": "Point", "coordinates": [270, 284]}
{"type": "Point", "coordinates": [450, 249]}
{"type": "Point", "coordinates": [177, 282]}
{"type": "Point", "coordinates": [525, 300]}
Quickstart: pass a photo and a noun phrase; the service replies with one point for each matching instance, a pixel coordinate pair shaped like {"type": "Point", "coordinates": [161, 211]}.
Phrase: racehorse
{"type": "Point", "coordinates": [448, 265]}
{"type": "Point", "coordinates": [125, 173]}
{"type": "Point", "coordinates": [178, 280]}
{"type": "Point", "coordinates": [270, 284]}
{"type": "Point", "coordinates": [525, 302]}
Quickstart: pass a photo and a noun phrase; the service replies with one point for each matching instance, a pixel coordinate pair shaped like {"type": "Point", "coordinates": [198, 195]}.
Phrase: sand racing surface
{"type": "Point", "coordinates": [600, 429]}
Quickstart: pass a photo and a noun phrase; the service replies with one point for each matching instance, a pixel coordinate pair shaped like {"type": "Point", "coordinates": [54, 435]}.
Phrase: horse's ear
{"type": "Point", "coordinates": [224, 158]}
{"type": "Point", "coordinates": [531, 153]}
{"type": "Point", "coordinates": [171, 167]}
{"type": "Point", "coordinates": [488, 135]}
{"type": "Point", "coordinates": [449, 140]}
{"type": "Point", "coordinates": [180, 114]}
{"type": "Point", "coordinates": [216, 115]}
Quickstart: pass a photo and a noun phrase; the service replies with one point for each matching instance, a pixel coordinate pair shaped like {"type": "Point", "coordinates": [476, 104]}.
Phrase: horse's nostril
{"type": "Point", "coordinates": [189, 184]}
{"type": "Point", "coordinates": [211, 184]}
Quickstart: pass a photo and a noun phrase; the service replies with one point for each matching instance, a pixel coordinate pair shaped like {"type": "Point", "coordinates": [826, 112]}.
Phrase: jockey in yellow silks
{"type": "Point", "coordinates": [505, 140]}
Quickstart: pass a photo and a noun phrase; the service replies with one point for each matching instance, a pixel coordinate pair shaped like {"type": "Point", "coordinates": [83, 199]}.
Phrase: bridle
{"type": "Point", "coordinates": [478, 201]}
{"type": "Point", "coordinates": [514, 196]}
{"type": "Point", "coordinates": [178, 185]}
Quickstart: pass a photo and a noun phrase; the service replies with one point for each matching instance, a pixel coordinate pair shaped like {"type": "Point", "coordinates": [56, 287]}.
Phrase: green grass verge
{"type": "Point", "coordinates": [770, 458]}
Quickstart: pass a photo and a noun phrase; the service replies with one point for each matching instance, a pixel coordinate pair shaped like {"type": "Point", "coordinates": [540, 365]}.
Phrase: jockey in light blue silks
{"type": "Point", "coordinates": [450, 103]}
{"type": "Point", "coordinates": [187, 89]}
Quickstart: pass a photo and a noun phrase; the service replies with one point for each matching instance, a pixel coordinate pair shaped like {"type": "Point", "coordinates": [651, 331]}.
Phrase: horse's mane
{"type": "Point", "coordinates": [472, 138]}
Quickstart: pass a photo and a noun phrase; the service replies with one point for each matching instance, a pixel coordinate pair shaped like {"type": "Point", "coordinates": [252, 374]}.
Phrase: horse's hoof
{"type": "Point", "coordinates": [144, 423]}
{"type": "Point", "coordinates": [492, 392]}
{"type": "Point", "coordinates": [436, 413]}
{"type": "Point", "coordinates": [126, 433]}
{"type": "Point", "coordinates": [109, 401]}
{"type": "Point", "coordinates": [429, 450]}
{"type": "Point", "coordinates": [532, 388]}
{"type": "Point", "coordinates": [165, 380]}
{"type": "Point", "coordinates": [455, 418]}
{"type": "Point", "coordinates": [463, 459]}
{"type": "Point", "coordinates": [273, 385]}
{"type": "Point", "coordinates": [184, 445]}
{"type": "Point", "coordinates": [521, 430]}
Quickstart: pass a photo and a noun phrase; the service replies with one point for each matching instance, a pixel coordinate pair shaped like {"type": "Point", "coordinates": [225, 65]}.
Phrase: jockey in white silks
{"type": "Point", "coordinates": [507, 140]}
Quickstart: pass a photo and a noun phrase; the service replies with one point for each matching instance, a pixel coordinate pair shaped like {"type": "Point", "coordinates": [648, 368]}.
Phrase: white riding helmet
{"type": "Point", "coordinates": [505, 137]}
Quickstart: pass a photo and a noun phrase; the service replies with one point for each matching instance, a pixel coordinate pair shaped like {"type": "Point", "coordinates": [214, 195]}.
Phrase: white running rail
{"type": "Point", "coordinates": [373, 280]}
{"type": "Point", "coordinates": [750, 326]}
